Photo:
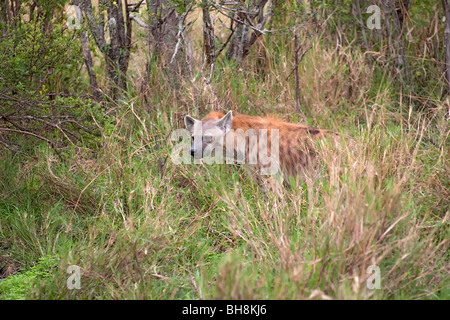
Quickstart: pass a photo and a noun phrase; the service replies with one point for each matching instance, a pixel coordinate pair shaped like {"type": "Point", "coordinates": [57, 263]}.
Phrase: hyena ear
{"type": "Point", "coordinates": [190, 122]}
{"type": "Point", "coordinates": [226, 123]}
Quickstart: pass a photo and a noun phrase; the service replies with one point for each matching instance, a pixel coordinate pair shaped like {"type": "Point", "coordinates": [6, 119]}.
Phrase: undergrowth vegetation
{"type": "Point", "coordinates": [141, 227]}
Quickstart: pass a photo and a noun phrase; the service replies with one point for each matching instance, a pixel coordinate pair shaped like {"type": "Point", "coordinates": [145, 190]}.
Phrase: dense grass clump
{"type": "Point", "coordinates": [141, 227]}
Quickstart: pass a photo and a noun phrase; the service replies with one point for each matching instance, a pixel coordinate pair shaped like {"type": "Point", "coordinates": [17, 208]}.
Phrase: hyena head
{"type": "Point", "coordinates": [208, 134]}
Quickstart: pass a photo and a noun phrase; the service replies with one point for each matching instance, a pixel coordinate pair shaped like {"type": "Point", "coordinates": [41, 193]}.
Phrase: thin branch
{"type": "Point", "coordinates": [14, 148]}
{"type": "Point", "coordinates": [50, 142]}
{"type": "Point", "coordinates": [228, 39]}
{"type": "Point", "coordinates": [299, 60]}
{"type": "Point", "coordinates": [132, 7]}
{"type": "Point", "coordinates": [97, 29]}
{"type": "Point", "coordinates": [310, 47]}
{"type": "Point", "coordinates": [181, 28]}
{"type": "Point", "coordinates": [264, 31]}
{"type": "Point", "coordinates": [139, 21]}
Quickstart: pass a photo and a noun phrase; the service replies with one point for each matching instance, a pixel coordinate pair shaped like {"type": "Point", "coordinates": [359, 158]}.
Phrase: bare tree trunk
{"type": "Point", "coordinates": [447, 43]}
{"type": "Point", "coordinates": [166, 34]}
{"type": "Point", "coordinates": [9, 13]}
{"type": "Point", "coordinates": [361, 23]}
{"type": "Point", "coordinates": [235, 48]}
{"type": "Point", "coordinates": [209, 47]}
{"type": "Point", "coordinates": [88, 61]}
{"type": "Point", "coordinates": [163, 27]}
{"type": "Point", "coordinates": [89, 66]}
{"type": "Point", "coordinates": [117, 51]}
{"type": "Point", "coordinates": [399, 17]}
{"type": "Point", "coordinates": [297, 77]}
{"type": "Point", "coordinates": [250, 25]}
{"type": "Point", "coordinates": [15, 8]}
{"type": "Point", "coordinates": [395, 38]}
{"type": "Point", "coordinates": [5, 16]}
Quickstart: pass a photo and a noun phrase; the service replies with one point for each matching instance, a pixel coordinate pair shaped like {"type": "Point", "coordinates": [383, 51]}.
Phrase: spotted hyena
{"type": "Point", "coordinates": [267, 145]}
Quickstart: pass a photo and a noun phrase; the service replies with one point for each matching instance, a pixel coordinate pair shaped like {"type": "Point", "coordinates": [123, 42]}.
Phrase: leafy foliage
{"type": "Point", "coordinates": [141, 227]}
{"type": "Point", "coordinates": [40, 60]}
{"type": "Point", "coordinates": [17, 286]}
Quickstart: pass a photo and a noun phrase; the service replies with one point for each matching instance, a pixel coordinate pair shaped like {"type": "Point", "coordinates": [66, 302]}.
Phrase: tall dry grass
{"type": "Point", "coordinates": [142, 227]}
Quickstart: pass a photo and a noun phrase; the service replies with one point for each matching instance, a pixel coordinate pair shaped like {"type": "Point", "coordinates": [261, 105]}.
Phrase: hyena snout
{"type": "Point", "coordinates": [196, 152]}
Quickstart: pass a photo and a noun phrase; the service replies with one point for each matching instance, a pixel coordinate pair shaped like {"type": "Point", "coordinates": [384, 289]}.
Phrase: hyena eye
{"type": "Point", "coordinates": [207, 139]}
